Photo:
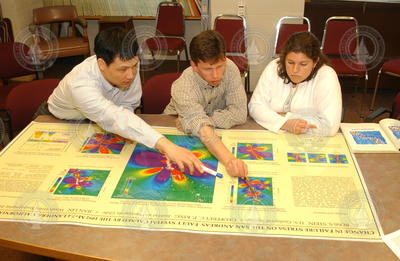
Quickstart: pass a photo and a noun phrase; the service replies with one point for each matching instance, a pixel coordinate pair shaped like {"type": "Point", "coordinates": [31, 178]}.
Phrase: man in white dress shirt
{"type": "Point", "coordinates": [105, 88]}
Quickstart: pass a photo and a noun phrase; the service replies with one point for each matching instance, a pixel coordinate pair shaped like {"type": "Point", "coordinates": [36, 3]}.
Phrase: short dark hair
{"type": "Point", "coordinates": [114, 42]}
{"type": "Point", "coordinates": [306, 43]}
{"type": "Point", "coordinates": [208, 46]}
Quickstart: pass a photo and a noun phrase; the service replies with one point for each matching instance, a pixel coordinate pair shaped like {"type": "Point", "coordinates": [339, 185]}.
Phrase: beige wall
{"type": "Point", "coordinates": [19, 12]}
{"type": "Point", "coordinates": [261, 16]}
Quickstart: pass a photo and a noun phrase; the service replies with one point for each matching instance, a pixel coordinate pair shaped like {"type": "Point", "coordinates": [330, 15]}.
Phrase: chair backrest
{"type": "Point", "coordinates": [233, 29]}
{"type": "Point", "coordinates": [15, 59]}
{"type": "Point", "coordinates": [6, 32]}
{"type": "Point", "coordinates": [286, 26]}
{"type": "Point", "coordinates": [54, 14]}
{"type": "Point", "coordinates": [157, 92]}
{"type": "Point", "coordinates": [23, 101]}
{"type": "Point", "coordinates": [63, 38]}
{"type": "Point", "coordinates": [396, 107]}
{"type": "Point", "coordinates": [170, 19]}
{"type": "Point", "coordinates": [340, 36]}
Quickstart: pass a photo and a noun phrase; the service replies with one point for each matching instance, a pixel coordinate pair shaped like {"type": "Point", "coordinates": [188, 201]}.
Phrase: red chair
{"type": "Point", "coordinates": [340, 44]}
{"type": "Point", "coordinates": [170, 31]}
{"type": "Point", "coordinates": [24, 100]}
{"type": "Point", "coordinates": [392, 68]}
{"type": "Point", "coordinates": [16, 61]}
{"type": "Point", "coordinates": [157, 92]}
{"type": "Point", "coordinates": [233, 29]}
{"type": "Point", "coordinates": [284, 30]}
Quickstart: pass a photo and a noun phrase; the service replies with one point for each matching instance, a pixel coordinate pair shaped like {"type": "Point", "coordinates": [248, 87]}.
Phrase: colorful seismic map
{"type": "Point", "coordinates": [317, 158]}
{"type": "Point", "coordinates": [149, 175]}
{"type": "Point", "coordinates": [260, 194]}
{"type": "Point", "coordinates": [338, 158]}
{"type": "Point", "coordinates": [86, 182]}
{"type": "Point", "coordinates": [254, 151]}
{"type": "Point", "coordinates": [367, 137]}
{"type": "Point", "coordinates": [103, 143]}
{"type": "Point", "coordinates": [296, 157]}
{"type": "Point", "coordinates": [396, 131]}
{"type": "Point", "coordinates": [49, 141]}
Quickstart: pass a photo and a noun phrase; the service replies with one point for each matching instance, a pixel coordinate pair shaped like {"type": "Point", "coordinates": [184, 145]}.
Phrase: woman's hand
{"type": "Point", "coordinates": [297, 126]}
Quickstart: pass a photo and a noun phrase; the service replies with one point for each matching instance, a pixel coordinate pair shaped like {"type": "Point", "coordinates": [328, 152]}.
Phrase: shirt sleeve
{"type": "Point", "coordinates": [88, 99]}
{"type": "Point", "coordinates": [235, 112]}
{"type": "Point", "coordinates": [328, 100]}
{"type": "Point", "coordinates": [260, 103]}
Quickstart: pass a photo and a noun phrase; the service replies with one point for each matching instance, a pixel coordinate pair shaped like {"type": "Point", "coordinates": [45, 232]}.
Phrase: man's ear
{"type": "Point", "coordinates": [102, 64]}
{"type": "Point", "coordinates": [193, 65]}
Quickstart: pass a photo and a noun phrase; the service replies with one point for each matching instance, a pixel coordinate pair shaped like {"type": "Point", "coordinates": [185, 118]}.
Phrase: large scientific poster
{"type": "Point", "coordinates": [301, 185]}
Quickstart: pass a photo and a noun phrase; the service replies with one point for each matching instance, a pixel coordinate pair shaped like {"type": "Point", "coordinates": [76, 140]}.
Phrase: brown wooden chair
{"type": "Point", "coordinates": [73, 44]}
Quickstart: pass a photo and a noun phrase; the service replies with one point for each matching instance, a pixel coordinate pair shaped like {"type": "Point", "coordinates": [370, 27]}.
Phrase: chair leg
{"type": "Point", "coordinates": [8, 121]}
{"type": "Point", "coordinates": [247, 83]}
{"type": "Point", "coordinates": [364, 95]}
{"type": "Point", "coordinates": [178, 56]}
{"type": "Point", "coordinates": [5, 121]}
{"type": "Point", "coordinates": [248, 80]}
{"type": "Point", "coordinates": [152, 55]}
{"type": "Point", "coordinates": [371, 107]}
{"type": "Point", "coordinates": [141, 71]}
{"type": "Point", "coordinates": [186, 53]}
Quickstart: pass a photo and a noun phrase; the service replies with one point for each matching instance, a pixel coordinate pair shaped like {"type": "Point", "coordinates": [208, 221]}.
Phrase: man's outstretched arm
{"type": "Point", "coordinates": [235, 167]}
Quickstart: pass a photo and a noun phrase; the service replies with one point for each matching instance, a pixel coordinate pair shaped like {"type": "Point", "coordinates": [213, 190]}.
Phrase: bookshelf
{"type": "Point", "coordinates": [138, 9]}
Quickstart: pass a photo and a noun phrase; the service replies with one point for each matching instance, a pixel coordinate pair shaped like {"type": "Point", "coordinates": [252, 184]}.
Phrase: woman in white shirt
{"type": "Point", "coordinates": [298, 92]}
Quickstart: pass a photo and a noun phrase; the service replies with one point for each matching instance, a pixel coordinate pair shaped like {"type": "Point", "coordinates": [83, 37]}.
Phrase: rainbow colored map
{"type": "Point", "coordinates": [296, 157]}
{"type": "Point", "coordinates": [368, 137]}
{"type": "Point", "coordinates": [338, 158]}
{"type": "Point", "coordinates": [317, 158]}
{"type": "Point", "coordinates": [396, 131]}
{"type": "Point", "coordinates": [149, 175]}
{"type": "Point", "coordinates": [262, 188]}
{"type": "Point", "coordinates": [254, 151]}
{"type": "Point", "coordinates": [82, 182]}
{"type": "Point", "coordinates": [103, 143]}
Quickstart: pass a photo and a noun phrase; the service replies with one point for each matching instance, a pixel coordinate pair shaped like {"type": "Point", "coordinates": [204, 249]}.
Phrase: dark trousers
{"type": "Point", "coordinates": [42, 110]}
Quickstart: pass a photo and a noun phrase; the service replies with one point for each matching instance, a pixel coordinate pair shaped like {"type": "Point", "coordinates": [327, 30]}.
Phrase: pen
{"type": "Point", "coordinates": [246, 179]}
{"type": "Point", "coordinates": [212, 172]}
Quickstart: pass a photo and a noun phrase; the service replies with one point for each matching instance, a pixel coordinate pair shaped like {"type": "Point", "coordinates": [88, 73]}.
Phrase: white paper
{"type": "Point", "coordinates": [392, 240]}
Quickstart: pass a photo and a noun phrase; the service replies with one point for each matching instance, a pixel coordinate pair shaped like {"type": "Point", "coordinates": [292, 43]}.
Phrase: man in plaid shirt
{"type": "Point", "coordinates": [209, 94]}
